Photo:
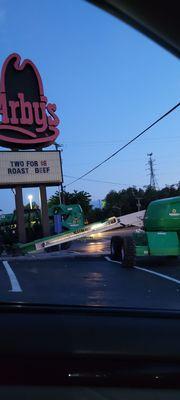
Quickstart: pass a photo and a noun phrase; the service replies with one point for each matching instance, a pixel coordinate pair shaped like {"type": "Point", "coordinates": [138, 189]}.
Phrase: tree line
{"type": "Point", "coordinates": [116, 203]}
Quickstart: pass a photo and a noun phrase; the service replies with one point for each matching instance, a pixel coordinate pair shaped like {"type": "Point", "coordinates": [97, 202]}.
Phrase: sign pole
{"type": "Point", "coordinates": [62, 194]}
{"type": "Point", "coordinates": [44, 211]}
{"type": "Point", "coordinates": [20, 214]}
{"type": "Point", "coordinates": [61, 184]}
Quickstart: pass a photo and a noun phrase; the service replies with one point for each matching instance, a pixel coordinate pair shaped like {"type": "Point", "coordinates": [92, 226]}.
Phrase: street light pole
{"type": "Point", "coordinates": [30, 198]}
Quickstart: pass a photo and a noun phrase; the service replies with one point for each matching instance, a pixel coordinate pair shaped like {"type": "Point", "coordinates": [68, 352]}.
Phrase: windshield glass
{"type": "Point", "coordinates": [89, 137]}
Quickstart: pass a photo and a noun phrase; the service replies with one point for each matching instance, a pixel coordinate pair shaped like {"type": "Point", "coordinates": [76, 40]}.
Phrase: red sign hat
{"type": "Point", "coordinates": [28, 121]}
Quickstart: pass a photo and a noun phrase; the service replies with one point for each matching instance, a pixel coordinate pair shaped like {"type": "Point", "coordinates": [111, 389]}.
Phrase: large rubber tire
{"type": "Point", "coordinates": [65, 246]}
{"type": "Point", "coordinates": [52, 248]}
{"type": "Point", "coordinates": [116, 245]}
{"type": "Point", "coordinates": [128, 252]}
{"type": "Point", "coordinates": [123, 250]}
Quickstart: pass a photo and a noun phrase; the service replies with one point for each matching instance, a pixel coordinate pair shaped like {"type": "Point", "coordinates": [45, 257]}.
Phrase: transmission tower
{"type": "Point", "coordinates": [151, 162]}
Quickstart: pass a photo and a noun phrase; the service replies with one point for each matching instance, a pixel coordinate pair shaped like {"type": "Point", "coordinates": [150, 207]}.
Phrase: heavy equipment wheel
{"type": "Point", "coordinates": [65, 246]}
{"type": "Point", "coordinates": [52, 248]}
{"type": "Point", "coordinates": [123, 249]}
{"type": "Point", "coordinates": [128, 252]}
{"type": "Point", "coordinates": [116, 244]}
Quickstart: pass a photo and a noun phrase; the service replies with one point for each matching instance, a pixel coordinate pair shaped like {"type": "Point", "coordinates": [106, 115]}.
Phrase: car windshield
{"type": "Point", "coordinates": [89, 160]}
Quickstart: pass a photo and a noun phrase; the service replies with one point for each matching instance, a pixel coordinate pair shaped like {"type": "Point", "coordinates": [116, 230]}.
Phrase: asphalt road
{"type": "Point", "coordinates": [85, 275]}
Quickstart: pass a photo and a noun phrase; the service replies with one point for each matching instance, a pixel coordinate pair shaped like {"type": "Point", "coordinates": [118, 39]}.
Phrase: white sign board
{"type": "Point", "coordinates": [30, 168]}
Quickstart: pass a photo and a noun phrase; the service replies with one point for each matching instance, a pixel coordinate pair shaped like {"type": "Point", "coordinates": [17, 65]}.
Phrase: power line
{"type": "Point", "coordinates": [96, 180]}
{"type": "Point", "coordinates": [127, 144]}
{"type": "Point", "coordinates": [95, 142]}
{"type": "Point", "coordinates": [102, 143]}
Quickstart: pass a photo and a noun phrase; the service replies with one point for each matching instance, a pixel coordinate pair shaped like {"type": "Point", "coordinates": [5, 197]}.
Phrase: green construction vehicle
{"type": "Point", "coordinates": [70, 217]}
{"type": "Point", "coordinates": [159, 237]}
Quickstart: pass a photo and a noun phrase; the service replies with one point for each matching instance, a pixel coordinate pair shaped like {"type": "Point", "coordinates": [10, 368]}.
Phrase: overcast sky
{"type": "Point", "coordinates": [108, 82]}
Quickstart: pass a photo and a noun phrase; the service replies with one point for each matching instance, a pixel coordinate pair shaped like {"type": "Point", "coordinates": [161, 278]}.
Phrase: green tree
{"type": "Point", "coordinates": [126, 200]}
{"type": "Point", "coordinates": [83, 198]}
{"type": "Point", "coordinates": [95, 215]}
{"type": "Point", "coordinates": [112, 204]}
{"type": "Point", "coordinates": [116, 203]}
{"type": "Point", "coordinates": [122, 202]}
{"type": "Point", "coordinates": [35, 206]}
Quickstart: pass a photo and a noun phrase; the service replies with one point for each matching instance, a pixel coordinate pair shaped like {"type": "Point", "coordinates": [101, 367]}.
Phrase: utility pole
{"type": "Point", "coordinates": [138, 203]}
{"type": "Point", "coordinates": [138, 199]}
{"type": "Point", "coordinates": [58, 147]}
{"type": "Point", "coordinates": [151, 170]}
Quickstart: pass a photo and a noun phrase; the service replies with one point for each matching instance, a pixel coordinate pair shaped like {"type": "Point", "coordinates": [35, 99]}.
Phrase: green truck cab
{"type": "Point", "coordinates": [159, 237]}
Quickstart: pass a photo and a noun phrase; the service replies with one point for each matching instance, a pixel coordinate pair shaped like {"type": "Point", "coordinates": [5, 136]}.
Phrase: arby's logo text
{"type": "Point", "coordinates": [28, 120]}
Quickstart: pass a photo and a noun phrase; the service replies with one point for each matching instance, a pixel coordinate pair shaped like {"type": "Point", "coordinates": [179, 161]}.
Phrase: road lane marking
{"type": "Point", "coordinates": [14, 282]}
{"type": "Point", "coordinates": [150, 271]}
{"type": "Point", "coordinates": [169, 278]}
{"type": "Point", "coordinates": [109, 259]}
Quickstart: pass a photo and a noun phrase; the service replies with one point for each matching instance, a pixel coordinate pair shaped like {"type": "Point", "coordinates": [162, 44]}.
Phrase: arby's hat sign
{"type": "Point", "coordinates": [28, 121]}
